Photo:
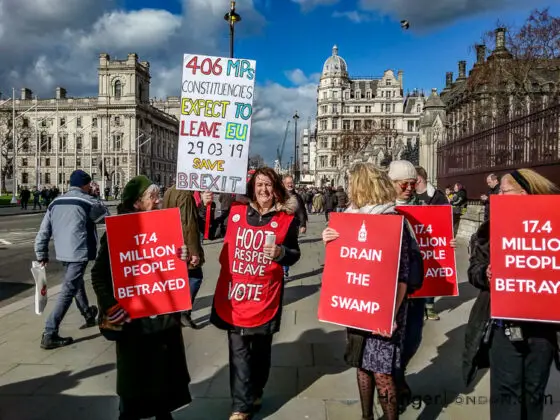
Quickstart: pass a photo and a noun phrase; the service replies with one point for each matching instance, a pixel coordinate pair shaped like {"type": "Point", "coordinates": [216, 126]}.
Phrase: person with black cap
{"type": "Point", "coordinates": [152, 374]}
{"type": "Point", "coordinates": [71, 220]}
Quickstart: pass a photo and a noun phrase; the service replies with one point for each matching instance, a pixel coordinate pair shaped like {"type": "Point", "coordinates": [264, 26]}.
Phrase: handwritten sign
{"type": "Point", "coordinates": [433, 228]}
{"type": "Point", "coordinates": [148, 276]}
{"type": "Point", "coordinates": [361, 269]}
{"type": "Point", "coordinates": [215, 128]}
{"type": "Point", "coordinates": [525, 257]}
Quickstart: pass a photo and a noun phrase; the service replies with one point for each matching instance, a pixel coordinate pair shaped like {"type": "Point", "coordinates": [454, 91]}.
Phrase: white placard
{"type": "Point", "coordinates": [215, 130]}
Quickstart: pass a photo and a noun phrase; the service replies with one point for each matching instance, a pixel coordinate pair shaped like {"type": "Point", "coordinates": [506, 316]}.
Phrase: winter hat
{"type": "Point", "coordinates": [401, 169]}
{"type": "Point", "coordinates": [79, 178]}
{"type": "Point", "coordinates": [134, 189]}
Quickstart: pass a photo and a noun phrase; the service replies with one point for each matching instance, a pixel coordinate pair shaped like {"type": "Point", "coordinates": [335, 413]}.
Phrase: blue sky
{"type": "Point", "coordinates": [289, 39]}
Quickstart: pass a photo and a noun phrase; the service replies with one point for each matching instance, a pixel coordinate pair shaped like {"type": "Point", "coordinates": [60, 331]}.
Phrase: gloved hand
{"type": "Point", "coordinates": [117, 315]}
{"type": "Point", "coordinates": [183, 253]}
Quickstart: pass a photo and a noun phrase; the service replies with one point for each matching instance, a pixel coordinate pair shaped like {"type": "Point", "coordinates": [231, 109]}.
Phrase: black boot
{"type": "Point", "coordinates": [187, 321]}
{"type": "Point", "coordinates": [91, 318]}
{"type": "Point", "coordinates": [54, 341]}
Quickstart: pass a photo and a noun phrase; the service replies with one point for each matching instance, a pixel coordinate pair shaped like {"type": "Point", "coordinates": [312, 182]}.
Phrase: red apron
{"type": "Point", "coordinates": [249, 289]}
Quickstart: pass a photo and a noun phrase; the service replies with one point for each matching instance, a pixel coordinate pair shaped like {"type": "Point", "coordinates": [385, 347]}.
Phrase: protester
{"type": "Point", "coordinates": [341, 199]}
{"type": "Point", "coordinates": [459, 203]}
{"type": "Point", "coordinates": [377, 357]}
{"type": "Point", "coordinates": [494, 188]}
{"type": "Point", "coordinates": [250, 322]}
{"type": "Point", "coordinates": [519, 370]}
{"type": "Point", "coordinates": [185, 202]}
{"type": "Point", "coordinates": [152, 375]}
{"type": "Point", "coordinates": [36, 199]}
{"type": "Point", "coordinates": [71, 220]}
{"type": "Point", "coordinates": [318, 202]}
{"type": "Point", "coordinates": [24, 197]}
{"type": "Point", "coordinates": [300, 213]}
{"type": "Point", "coordinates": [329, 202]}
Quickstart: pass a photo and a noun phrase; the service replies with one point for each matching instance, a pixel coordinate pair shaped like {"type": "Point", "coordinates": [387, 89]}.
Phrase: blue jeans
{"type": "Point", "coordinates": [195, 281]}
{"type": "Point", "coordinates": [73, 286]}
{"type": "Point", "coordinates": [413, 330]}
{"type": "Point", "coordinates": [286, 270]}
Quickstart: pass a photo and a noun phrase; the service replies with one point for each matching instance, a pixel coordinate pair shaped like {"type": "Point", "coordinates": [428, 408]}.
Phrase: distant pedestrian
{"type": "Point", "coordinates": [25, 195]}
{"type": "Point", "coordinates": [341, 199]}
{"type": "Point", "coordinates": [71, 220]}
{"type": "Point", "coordinates": [36, 199]}
{"type": "Point", "coordinates": [493, 183]}
{"type": "Point", "coordinates": [300, 213]}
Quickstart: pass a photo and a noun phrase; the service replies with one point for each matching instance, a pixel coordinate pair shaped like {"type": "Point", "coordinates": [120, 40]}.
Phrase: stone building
{"type": "Point", "coordinates": [432, 131]}
{"type": "Point", "coordinates": [307, 156]}
{"type": "Point", "coordinates": [375, 105]}
{"type": "Point", "coordinates": [100, 135]}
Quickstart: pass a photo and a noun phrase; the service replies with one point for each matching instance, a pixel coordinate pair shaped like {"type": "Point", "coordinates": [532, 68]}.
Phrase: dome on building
{"type": "Point", "coordinates": [434, 106]}
{"type": "Point", "coordinates": [434, 100]}
{"type": "Point", "coordinates": [335, 65]}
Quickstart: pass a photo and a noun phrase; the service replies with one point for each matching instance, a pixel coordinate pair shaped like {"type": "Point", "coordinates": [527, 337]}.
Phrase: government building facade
{"type": "Point", "coordinates": [114, 136]}
{"type": "Point", "coordinates": [373, 107]}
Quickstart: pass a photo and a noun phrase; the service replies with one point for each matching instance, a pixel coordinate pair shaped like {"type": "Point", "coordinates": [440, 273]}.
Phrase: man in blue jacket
{"type": "Point", "coordinates": [71, 220]}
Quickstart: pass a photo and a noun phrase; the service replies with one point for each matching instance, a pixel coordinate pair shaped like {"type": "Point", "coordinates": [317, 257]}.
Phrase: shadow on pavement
{"type": "Point", "coordinates": [10, 289]}
{"type": "Point", "coordinates": [310, 240]}
{"type": "Point", "coordinates": [327, 351]}
{"type": "Point", "coordinates": [467, 292]}
{"type": "Point", "coordinates": [440, 384]}
{"type": "Point", "coordinates": [48, 397]}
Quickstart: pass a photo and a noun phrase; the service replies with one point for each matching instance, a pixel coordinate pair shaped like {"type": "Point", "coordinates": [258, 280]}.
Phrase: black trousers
{"type": "Point", "coordinates": [518, 376]}
{"type": "Point", "coordinates": [249, 367]}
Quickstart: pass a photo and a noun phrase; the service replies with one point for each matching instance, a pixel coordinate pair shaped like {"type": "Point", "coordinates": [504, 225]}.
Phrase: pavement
{"type": "Point", "coordinates": [17, 211]}
{"type": "Point", "coordinates": [309, 379]}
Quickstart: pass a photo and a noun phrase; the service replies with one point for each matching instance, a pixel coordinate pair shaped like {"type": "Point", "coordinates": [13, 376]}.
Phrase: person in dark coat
{"type": "Point", "coordinates": [329, 202]}
{"type": "Point", "coordinates": [248, 298]}
{"type": "Point", "coordinates": [519, 370]}
{"type": "Point", "coordinates": [494, 188]}
{"type": "Point", "coordinates": [152, 375]}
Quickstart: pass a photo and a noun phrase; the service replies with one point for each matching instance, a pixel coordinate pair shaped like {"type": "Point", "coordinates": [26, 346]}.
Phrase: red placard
{"type": "Point", "coordinates": [148, 276]}
{"type": "Point", "coordinates": [433, 227]}
{"type": "Point", "coordinates": [361, 268]}
{"type": "Point", "coordinates": [525, 257]}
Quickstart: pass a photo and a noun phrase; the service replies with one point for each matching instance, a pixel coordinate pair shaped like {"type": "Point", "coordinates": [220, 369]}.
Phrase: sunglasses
{"type": "Point", "coordinates": [404, 185]}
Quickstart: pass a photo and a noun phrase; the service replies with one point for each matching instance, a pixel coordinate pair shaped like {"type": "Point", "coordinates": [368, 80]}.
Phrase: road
{"type": "Point", "coordinates": [17, 236]}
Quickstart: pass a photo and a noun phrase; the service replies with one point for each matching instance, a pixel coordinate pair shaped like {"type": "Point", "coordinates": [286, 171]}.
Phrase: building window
{"type": "Point", "coordinates": [368, 95]}
{"type": "Point", "coordinates": [60, 179]}
{"type": "Point", "coordinates": [44, 123]}
{"type": "Point", "coordinates": [335, 108]}
{"type": "Point", "coordinates": [346, 95]}
{"type": "Point", "coordinates": [324, 95]}
{"type": "Point", "coordinates": [368, 124]}
{"type": "Point", "coordinates": [63, 143]}
{"type": "Point", "coordinates": [357, 109]}
{"type": "Point", "coordinates": [79, 122]}
{"type": "Point", "coordinates": [323, 124]}
{"type": "Point", "coordinates": [335, 124]}
{"type": "Point", "coordinates": [418, 108]}
{"type": "Point", "coordinates": [60, 163]}
{"type": "Point", "coordinates": [357, 125]}
{"type": "Point", "coordinates": [324, 143]}
{"type": "Point", "coordinates": [333, 143]}
{"type": "Point", "coordinates": [334, 161]}
{"type": "Point", "coordinates": [94, 162]}
{"type": "Point", "coordinates": [94, 143]}
{"type": "Point", "coordinates": [24, 162]}
{"type": "Point", "coordinates": [25, 144]}
{"type": "Point", "coordinates": [346, 109]}
{"type": "Point", "coordinates": [47, 178]}
{"type": "Point", "coordinates": [117, 120]}
{"type": "Point", "coordinates": [78, 162]}
{"type": "Point", "coordinates": [322, 161]}
{"type": "Point", "coordinates": [63, 122]}
{"type": "Point", "coordinates": [79, 143]}
{"type": "Point", "coordinates": [368, 109]}
{"type": "Point", "coordinates": [25, 123]}
{"type": "Point", "coordinates": [346, 125]}
{"type": "Point", "coordinates": [394, 107]}
{"type": "Point", "coordinates": [410, 125]}
{"type": "Point", "coordinates": [324, 109]}
{"type": "Point", "coordinates": [118, 89]}
{"type": "Point", "coordinates": [335, 94]}
{"type": "Point", "coordinates": [94, 122]}
{"type": "Point", "coordinates": [47, 161]}
{"type": "Point", "coordinates": [24, 177]}
{"type": "Point", "coordinates": [388, 83]}
{"type": "Point", "coordinates": [117, 143]}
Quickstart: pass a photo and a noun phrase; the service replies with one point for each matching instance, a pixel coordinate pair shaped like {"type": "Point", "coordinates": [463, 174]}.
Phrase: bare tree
{"type": "Point", "coordinates": [515, 80]}
{"type": "Point", "coordinates": [256, 161]}
{"type": "Point", "coordinates": [23, 133]}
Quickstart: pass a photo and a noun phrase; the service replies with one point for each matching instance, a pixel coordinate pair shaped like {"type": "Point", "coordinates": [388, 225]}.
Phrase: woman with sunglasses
{"type": "Point", "coordinates": [520, 366]}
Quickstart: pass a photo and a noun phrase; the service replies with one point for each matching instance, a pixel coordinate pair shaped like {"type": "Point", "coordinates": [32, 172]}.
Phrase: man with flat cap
{"type": "Point", "coordinates": [71, 220]}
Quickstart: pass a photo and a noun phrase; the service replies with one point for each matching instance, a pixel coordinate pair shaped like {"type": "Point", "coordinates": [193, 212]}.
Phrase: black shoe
{"type": "Point", "coordinates": [186, 321]}
{"type": "Point", "coordinates": [54, 341]}
{"type": "Point", "coordinates": [91, 319]}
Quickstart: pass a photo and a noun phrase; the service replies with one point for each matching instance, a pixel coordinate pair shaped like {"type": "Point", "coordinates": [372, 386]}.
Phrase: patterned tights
{"type": "Point", "coordinates": [386, 390]}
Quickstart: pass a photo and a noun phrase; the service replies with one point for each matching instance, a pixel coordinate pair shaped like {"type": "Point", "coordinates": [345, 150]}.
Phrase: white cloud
{"type": "Point", "coordinates": [50, 43]}
{"type": "Point", "coordinates": [426, 14]}
{"type": "Point", "coordinates": [353, 15]}
{"type": "Point", "coordinates": [307, 5]}
{"type": "Point", "coordinates": [298, 77]}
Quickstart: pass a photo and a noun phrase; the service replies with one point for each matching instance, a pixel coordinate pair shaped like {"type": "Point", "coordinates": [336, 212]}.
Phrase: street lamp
{"type": "Point", "coordinates": [296, 166]}
{"type": "Point", "coordinates": [232, 18]}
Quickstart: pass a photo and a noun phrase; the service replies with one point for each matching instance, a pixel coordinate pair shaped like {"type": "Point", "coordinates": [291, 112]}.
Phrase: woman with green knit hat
{"type": "Point", "coordinates": [152, 375]}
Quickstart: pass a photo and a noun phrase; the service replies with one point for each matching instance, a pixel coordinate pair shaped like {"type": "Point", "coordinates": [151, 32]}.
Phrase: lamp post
{"type": "Point", "coordinates": [232, 18]}
{"type": "Point", "coordinates": [296, 166]}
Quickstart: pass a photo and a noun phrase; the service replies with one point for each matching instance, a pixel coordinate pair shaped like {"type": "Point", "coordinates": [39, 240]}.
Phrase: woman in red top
{"type": "Point", "coordinates": [262, 236]}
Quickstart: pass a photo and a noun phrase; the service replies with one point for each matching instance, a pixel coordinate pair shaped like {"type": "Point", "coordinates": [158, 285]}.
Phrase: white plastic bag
{"type": "Point", "coordinates": [40, 276]}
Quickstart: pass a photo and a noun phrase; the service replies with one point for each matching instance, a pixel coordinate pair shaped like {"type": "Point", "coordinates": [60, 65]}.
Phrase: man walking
{"type": "Point", "coordinates": [71, 220]}
{"type": "Point", "coordinates": [300, 213]}
{"type": "Point", "coordinates": [185, 202]}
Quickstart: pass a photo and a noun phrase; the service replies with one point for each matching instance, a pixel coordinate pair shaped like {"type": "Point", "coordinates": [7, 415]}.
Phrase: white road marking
{"type": "Point", "coordinates": [4, 242]}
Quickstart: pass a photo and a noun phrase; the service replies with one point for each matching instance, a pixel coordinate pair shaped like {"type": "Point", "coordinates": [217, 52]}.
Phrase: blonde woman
{"type": "Point", "coordinates": [377, 355]}
{"type": "Point", "coordinates": [519, 370]}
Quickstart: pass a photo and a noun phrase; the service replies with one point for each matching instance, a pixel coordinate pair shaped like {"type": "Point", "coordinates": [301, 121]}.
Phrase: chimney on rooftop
{"type": "Point", "coordinates": [500, 39]}
{"type": "Point", "coordinates": [26, 94]}
{"type": "Point", "coordinates": [480, 54]}
{"type": "Point", "coordinates": [462, 70]}
{"type": "Point", "coordinates": [60, 93]}
{"type": "Point", "coordinates": [448, 79]}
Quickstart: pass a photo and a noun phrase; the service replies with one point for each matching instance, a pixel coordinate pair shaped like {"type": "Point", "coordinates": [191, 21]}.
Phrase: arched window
{"type": "Point", "coordinates": [118, 89]}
